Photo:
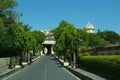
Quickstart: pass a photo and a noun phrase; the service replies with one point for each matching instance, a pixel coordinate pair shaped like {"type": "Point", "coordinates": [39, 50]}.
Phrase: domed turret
{"type": "Point", "coordinates": [89, 28]}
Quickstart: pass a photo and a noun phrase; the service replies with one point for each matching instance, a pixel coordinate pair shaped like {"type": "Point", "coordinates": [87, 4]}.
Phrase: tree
{"type": "Point", "coordinates": [95, 40]}
{"type": "Point", "coordinates": [39, 36]}
{"type": "Point", "coordinates": [83, 36]}
{"type": "Point", "coordinates": [109, 36]}
{"type": "Point", "coordinates": [103, 37]}
{"type": "Point", "coordinates": [7, 25]}
{"type": "Point", "coordinates": [82, 42]}
{"type": "Point", "coordinates": [60, 29]}
{"type": "Point", "coordinates": [65, 35]}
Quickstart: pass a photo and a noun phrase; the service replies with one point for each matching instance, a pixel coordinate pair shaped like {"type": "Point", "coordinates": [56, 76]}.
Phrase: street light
{"type": "Point", "coordinates": [77, 40]}
{"type": "Point", "coordinates": [10, 63]}
{"type": "Point", "coordinates": [74, 53]}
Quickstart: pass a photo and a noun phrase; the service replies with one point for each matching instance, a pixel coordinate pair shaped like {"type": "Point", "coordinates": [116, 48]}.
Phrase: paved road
{"type": "Point", "coordinates": [47, 68]}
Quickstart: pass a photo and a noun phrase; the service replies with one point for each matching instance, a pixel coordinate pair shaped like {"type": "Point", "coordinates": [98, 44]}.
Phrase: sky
{"type": "Point", "coordinates": [47, 14]}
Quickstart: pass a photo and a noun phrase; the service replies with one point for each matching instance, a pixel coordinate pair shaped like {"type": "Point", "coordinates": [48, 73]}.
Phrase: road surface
{"type": "Point", "coordinates": [46, 68]}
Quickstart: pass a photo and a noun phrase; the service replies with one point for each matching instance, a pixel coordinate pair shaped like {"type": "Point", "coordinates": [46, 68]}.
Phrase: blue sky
{"type": "Point", "coordinates": [47, 14]}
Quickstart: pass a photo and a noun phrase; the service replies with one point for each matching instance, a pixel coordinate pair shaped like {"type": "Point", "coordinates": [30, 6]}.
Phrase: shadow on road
{"type": "Point", "coordinates": [52, 58]}
{"type": "Point", "coordinates": [56, 62]}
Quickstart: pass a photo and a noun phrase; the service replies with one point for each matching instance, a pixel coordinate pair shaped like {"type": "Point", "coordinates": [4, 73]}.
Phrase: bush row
{"type": "Point", "coordinates": [109, 65]}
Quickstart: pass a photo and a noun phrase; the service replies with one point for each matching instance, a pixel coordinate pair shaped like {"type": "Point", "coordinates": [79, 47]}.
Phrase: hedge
{"type": "Point", "coordinates": [109, 65]}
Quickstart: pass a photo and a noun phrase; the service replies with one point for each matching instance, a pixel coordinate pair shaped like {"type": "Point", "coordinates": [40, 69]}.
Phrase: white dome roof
{"type": "Point", "coordinates": [89, 26]}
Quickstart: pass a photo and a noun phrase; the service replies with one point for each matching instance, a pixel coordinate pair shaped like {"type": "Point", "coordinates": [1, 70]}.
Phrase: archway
{"type": "Point", "coordinates": [49, 49]}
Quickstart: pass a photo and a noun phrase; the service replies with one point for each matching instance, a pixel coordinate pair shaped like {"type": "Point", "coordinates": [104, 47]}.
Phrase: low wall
{"type": "Point", "coordinates": [110, 52]}
{"type": "Point", "coordinates": [81, 76]}
{"type": "Point", "coordinates": [113, 50]}
{"type": "Point", "coordinates": [4, 62]}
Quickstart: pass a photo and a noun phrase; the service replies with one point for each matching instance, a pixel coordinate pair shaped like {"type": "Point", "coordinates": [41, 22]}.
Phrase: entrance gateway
{"type": "Point", "coordinates": [48, 43]}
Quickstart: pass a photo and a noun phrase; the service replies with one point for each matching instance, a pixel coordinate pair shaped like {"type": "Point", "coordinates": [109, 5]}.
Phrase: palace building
{"type": "Point", "coordinates": [89, 28]}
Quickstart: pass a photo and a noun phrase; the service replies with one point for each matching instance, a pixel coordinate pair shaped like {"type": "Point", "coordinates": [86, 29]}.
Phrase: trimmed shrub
{"type": "Point", "coordinates": [109, 65]}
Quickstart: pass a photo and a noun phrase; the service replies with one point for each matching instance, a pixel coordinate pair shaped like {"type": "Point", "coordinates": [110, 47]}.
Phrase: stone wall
{"type": "Point", "coordinates": [110, 50]}
{"type": "Point", "coordinates": [4, 62]}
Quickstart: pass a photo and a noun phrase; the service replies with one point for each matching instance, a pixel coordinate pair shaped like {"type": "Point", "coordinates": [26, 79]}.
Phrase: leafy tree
{"type": "Point", "coordinates": [103, 37]}
{"type": "Point", "coordinates": [7, 5]}
{"type": "Point", "coordinates": [109, 36]}
{"type": "Point", "coordinates": [7, 13]}
{"type": "Point", "coordinates": [82, 42]}
{"type": "Point", "coordinates": [95, 40]}
{"type": "Point", "coordinates": [7, 25]}
{"type": "Point", "coordinates": [83, 37]}
{"type": "Point", "coordinates": [39, 36]}
{"type": "Point", "coordinates": [60, 29]}
{"type": "Point", "coordinates": [65, 35]}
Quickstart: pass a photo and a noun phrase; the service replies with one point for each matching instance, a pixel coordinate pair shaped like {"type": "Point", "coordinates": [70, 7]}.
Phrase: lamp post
{"type": "Point", "coordinates": [21, 55]}
{"type": "Point", "coordinates": [75, 53]}
{"type": "Point", "coordinates": [12, 50]}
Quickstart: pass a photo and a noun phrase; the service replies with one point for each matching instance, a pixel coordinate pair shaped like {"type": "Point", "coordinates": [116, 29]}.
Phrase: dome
{"type": "Point", "coordinates": [89, 26]}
